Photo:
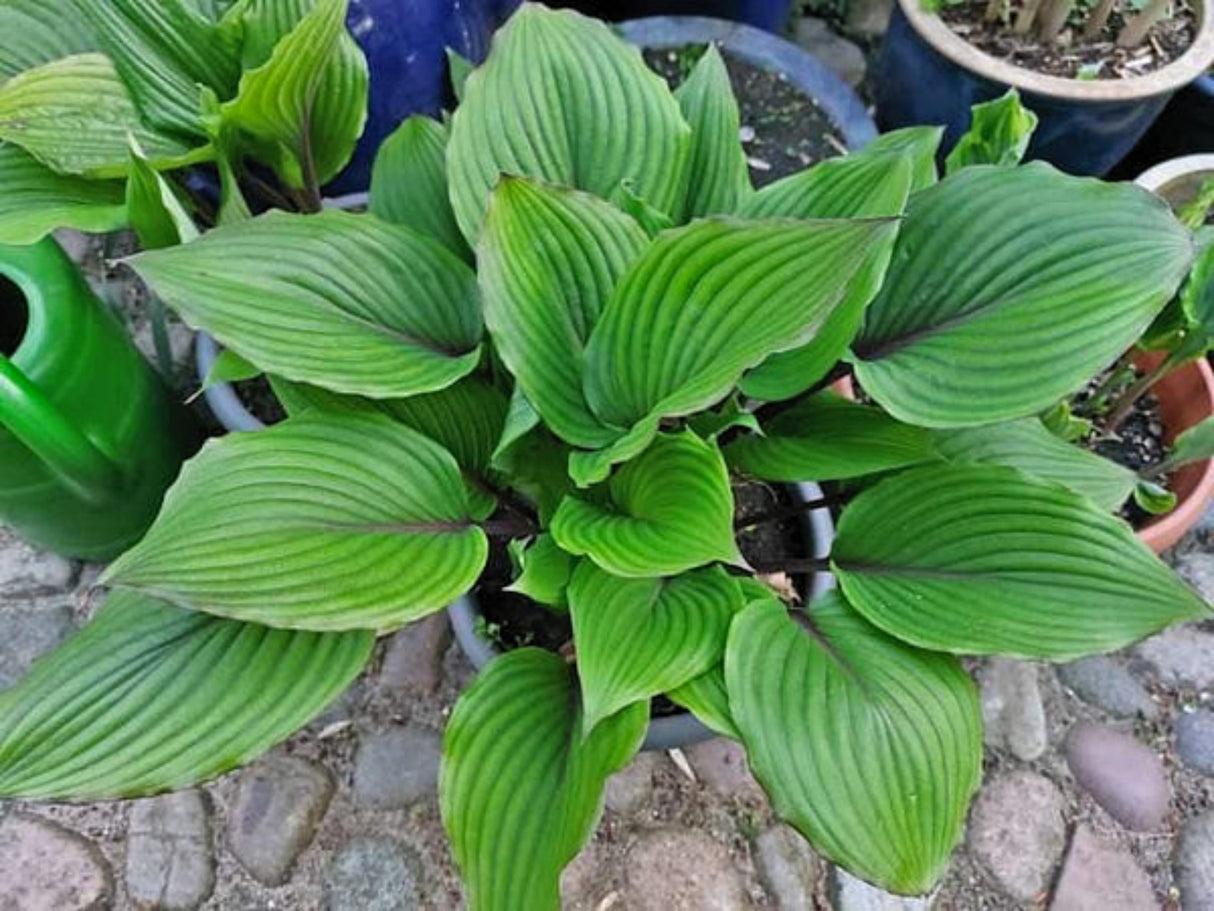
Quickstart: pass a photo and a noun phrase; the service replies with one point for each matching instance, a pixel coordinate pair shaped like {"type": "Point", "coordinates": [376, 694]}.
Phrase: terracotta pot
{"type": "Point", "coordinates": [1186, 397]}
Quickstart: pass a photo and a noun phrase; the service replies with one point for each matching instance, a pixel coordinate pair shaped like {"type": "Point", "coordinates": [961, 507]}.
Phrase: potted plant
{"type": "Point", "coordinates": [641, 330]}
{"type": "Point", "coordinates": [1093, 98]}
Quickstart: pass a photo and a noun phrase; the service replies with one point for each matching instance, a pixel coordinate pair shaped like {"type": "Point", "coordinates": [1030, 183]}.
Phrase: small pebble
{"type": "Point", "coordinates": [1195, 740]}
{"type": "Point", "coordinates": [1103, 682]}
{"type": "Point", "coordinates": [1012, 712]}
{"type": "Point", "coordinates": [1123, 776]}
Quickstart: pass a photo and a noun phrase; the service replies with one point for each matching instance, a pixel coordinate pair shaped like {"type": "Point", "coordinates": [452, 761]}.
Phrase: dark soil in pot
{"type": "Point", "coordinates": [783, 129]}
{"type": "Point", "coordinates": [1074, 56]}
{"type": "Point", "coordinates": [257, 396]}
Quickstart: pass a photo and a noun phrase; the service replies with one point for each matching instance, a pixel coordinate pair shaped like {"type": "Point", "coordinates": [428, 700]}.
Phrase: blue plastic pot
{"type": "Point", "coordinates": [768, 52]}
{"type": "Point", "coordinates": [771, 15]}
{"type": "Point", "coordinates": [926, 74]}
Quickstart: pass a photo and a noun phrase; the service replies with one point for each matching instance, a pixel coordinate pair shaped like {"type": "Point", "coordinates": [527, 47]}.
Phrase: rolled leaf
{"type": "Point", "coordinates": [999, 133]}
{"type": "Point", "coordinates": [870, 748]}
{"type": "Point", "coordinates": [1027, 444]}
{"type": "Point", "coordinates": [544, 571]}
{"type": "Point", "coordinates": [993, 309]}
{"type": "Point", "coordinates": [561, 97]}
{"type": "Point", "coordinates": [316, 523]}
{"type": "Point", "coordinates": [36, 200]}
{"type": "Point", "coordinates": [636, 638]}
{"type": "Point", "coordinates": [706, 302]}
{"type": "Point", "coordinates": [75, 116]}
{"type": "Point", "coordinates": [409, 182]}
{"type": "Point", "coordinates": [149, 697]}
{"type": "Point", "coordinates": [670, 510]}
{"type": "Point", "coordinates": [520, 789]}
{"type": "Point", "coordinates": [719, 179]}
{"type": "Point", "coordinates": [1193, 445]}
{"type": "Point", "coordinates": [984, 560]}
{"type": "Point", "coordinates": [827, 438]}
{"type": "Point", "coordinates": [158, 217]}
{"type": "Point", "coordinates": [548, 261]}
{"type": "Point", "coordinates": [343, 301]}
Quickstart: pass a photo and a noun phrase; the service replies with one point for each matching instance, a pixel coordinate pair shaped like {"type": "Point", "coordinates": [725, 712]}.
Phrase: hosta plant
{"type": "Point", "coordinates": [568, 327]}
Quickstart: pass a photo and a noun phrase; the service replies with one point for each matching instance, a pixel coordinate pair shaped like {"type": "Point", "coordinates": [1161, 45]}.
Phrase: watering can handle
{"type": "Point", "coordinates": [31, 417]}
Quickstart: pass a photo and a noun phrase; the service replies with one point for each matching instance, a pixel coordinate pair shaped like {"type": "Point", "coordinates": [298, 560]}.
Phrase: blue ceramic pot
{"type": "Point", "coordinates": [771, 15]}
{"type": "Point", "coordinates": [928, 75]}
{"type": "Point", "coordinates": [1186, 127]}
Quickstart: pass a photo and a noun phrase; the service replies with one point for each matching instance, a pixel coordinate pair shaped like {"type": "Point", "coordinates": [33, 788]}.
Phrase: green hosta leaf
{"type": "Point", "coordinates": [708, 301]}
{"type": "Point", "coordinates": [652, 220]}
{"type": "Point", "coordinates": [1193, 445]}
{"type": "Point", "coordinates": [150, 698]}
{"type": "Point", "coordinates": [918, 145]}
{"type": "Point", "coordinates": [75, 116]}
{"type": "Point", "coordinates": [564, 99]}
{"type": "Point", "coordinates": [521, 419]}
{"type": "Point", "coordinates": [1154, 498]}
{"type": "Point", "coordinates": [1026, 444]}
{"type": "Point", "coordinates": [719, 177]}
{"type": "Point", "coordinates": [868, 184]}
{"type": "Point", "coordinates": [544, 571]}
{"type": "Point", "coordinates": [315, 523]}
{"type": "Point", "coordinates": [34, 32]}
{"type": "Point", "coordinates": [537, 465]}
{"type": "Point", "coordinates": [588, 468]}
{"type": "Point", "coordinates": [994, 310]}
{"type": "Point", "coordinates": [872, 749]}
{"type": "Point", "coordinates": [999, 134]}
{"type": "Point", "coordinates": [459, 68]}
{"type": "Point", "coordinates": [828, 438]}
{"type": "Point", "coordinates": [671, 510]}
{"type": "Point", "coordinates": [343, 301]}
{"type": "Point", "coordinates": [155, 212]}
{"type": "Point", "coordinates": [637, 638]}
{"type": "Point", "coordinates": [985, 560]}
{"type": "Point", "coordinates": [229, 367]}
{"type": "Point", "coordinates": [709, 425]}
{"type": "Point", "coordinates": [520, 788]}
{"type": "Point", "coordinates": [409, 182]}
{"type": "Point", "coordinates": [36, 200]}
{"type": "Point", "coordinates": [1064, 424]}
{"type": "Point", "coordinates": [548, 260]}
{"type": "Point", "coordinates": [164, 50]}
{"type": "Point", "coordinates": [1197, 296]}
{"type": "Point", "coordinates": [307, 101]}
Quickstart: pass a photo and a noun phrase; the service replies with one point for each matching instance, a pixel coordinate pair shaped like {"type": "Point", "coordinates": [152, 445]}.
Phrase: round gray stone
{"type": "Point", "coordinates": [1195, 740]}
{"type": "Point", "coordinates": [169, 862]}
{"type": "Point", "coordinates": [45, 867]}
{"type": "Point", "coordinates": [1103, 682]}
{"type": "Point", "coordinates": [373, 874]}
{"type": "Point", "coordinates": [852, 894]}
{"type": "Point", "coordinates": [1012, 712]}
{"type": "Point", "coordinates": [1097, 876]}
{"type": "Point", "coordinates": [1193, 864]}
{"type": "Point", "coordinates": [1123, 776]}
{"type": "Point", "coordinates": [629, 789]}
{"type": "Point", "coordinates": [1017, 832]}
{"type": "Point", "coordinates": [413, 662]}
{"type": "Point", "coordinates": [396, 767]}
{"type": "Point", "coordinates": [681, 868]}
{"type": "Point", "coordinates": [1180, 656]}
{"type": "Point", "coordinates": [721, 764]}
{"type": "Point", "coordinates": [279, 803]}
{"type": "Point", "coordinates": [788, 868]}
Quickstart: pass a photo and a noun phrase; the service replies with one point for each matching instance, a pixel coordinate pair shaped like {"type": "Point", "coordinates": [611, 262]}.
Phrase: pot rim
{"type": "Point", "coordinates": [1184, 69]}
{"type": "Point", "coordinates": [1157, 177]}
{"type": "Point", "coordinates": [673, 730]}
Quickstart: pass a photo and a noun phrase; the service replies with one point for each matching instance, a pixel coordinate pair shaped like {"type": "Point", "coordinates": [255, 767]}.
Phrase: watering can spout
{"type": "Point", "coordinates": [41, 427]}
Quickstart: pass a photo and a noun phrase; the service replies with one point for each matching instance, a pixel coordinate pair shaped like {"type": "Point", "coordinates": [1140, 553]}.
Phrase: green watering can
{"type": "Point", "coordinates": [90, 438]}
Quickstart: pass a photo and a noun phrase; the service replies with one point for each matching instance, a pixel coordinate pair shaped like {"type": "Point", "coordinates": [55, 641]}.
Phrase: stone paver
{"type": "Point", "coordinates": [831, 49]}
{"type": "Point", "coordinates": [1104, 682]}
{"type": "Point", "coordinates": [397, 767]}
{"type": "Point", "coordinates": [630, 788]}
{"type": "Point", "coordinates": [1194, 863]}
{"type": "Point", "coordinates": [1197, 568]}
{"type": "Point", "coordinates": [30, 630]}
{"type": "Point", "coordinates": [1124, 777]}
{"type": "Point", "coordinates": [169, 861]}
{"type": "Point", "coordinates": [788, 868]}
{"type": "Point", "coordinates": [46, 867]}
{"type": "Point", "coordinates": [852, 894]}
{"type": "Point", "coordinates": [413, 662]}
{"type": "Point", "coordinates": [26, 571]}
{"type": "Point", "coordinates": [278, 805]}
{"type": "Point", "coordinates": [1017, 832]}
{"type": "Point", "coordinates": [373, 874]}
{"type": "Point", "coordinates": [721, 764]}
{"type": "Point", "coordinates": [1181, 656]}
{"type": "Point", "coordinates": [681, 868]}
{"type": "Point", "coordinates": [1097, 876]}
{"type": "Point", "coordinates": [1195, 740]}
{"type": "Point", "coordinates": [1012, 713]}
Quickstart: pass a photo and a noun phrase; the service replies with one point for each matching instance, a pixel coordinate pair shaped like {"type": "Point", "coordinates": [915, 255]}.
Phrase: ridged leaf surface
{"type": "Point", "coordinates": [33, 32]}
{"type": "Point", "coordinates": [36, 200]}
{"type": "Point", "coordinates": [985, 560]}
{"type": "Point", "coordinates": [520, 788]}
{"type": "Point", "coordinates": [322, 523]}
{"type": "Point", "coordinates": [869, 747]}
{"type": "Point", "coordinates": [149, 697]}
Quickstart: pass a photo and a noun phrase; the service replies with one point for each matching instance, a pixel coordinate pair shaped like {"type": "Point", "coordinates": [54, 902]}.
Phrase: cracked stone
{"type": "Point", "coordinates": [1012, 713]}
{"type": "Point", "coordinates": [1017, 832]}
{"type": "Point", "coordinates": [279, 804]}
{"type": "Point", "coordinates": [1097, 876]}
{"type": "Point", "coordinates": [1123, 776]}
{"type": "Point", "coordinates": [46, 867]}
{"type": "Point", "coordinates": [788, 868]}
{"type": "Point", "coordinates": [1103, 682]}
{"type": "Point", "coordinates": [374, 874]}
{"type": "Point", "coordinates": [169, 862]}
{"type": "Point", "coordinates": [26, 571]}
{"type": "Point", "coordinates": [396, 767]}
{"type": "Point", "coordinates": [30, 631]}
{"type": "Point", "coordinates": [413, 662]}
{"type": "Point", "coordinates": [681, 868]}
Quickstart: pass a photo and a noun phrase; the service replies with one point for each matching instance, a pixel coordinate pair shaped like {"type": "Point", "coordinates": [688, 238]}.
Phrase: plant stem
{"type": "Point", "coordinates": [1053, 19]}
{"type": "Point", "coordinates": [267, 192]}
{"type": "Point", "coordinates": [1125, 404]}
{"type": "Point", "coordinates": [1098, 19]}
{"type": "Point", "coordinates": [512, 527]}
{"type": "Point", "coordinates": [507, 499]}
{"type": "Point", "coordinates": [769, 410]}
{"type": "Point", "coordinates": [1116, 376]}
{"type": "Point", "coordinates": [793, 566]}
{"type": "Point", "coordinates": [307, 163]}
{"type": "Point", "coordinates": [1136, 29]}
{"type": "Point", "coordinates": [1026, 17]}
{"type": "Point", "coordinates": [786, 512]}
